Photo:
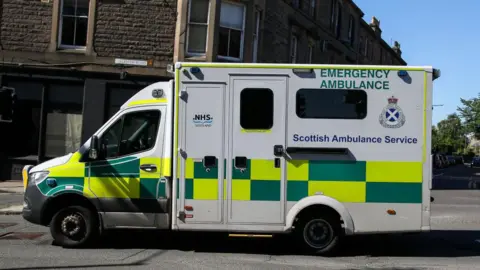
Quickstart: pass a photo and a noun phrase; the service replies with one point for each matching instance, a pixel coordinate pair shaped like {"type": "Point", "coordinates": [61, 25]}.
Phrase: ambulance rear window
{"type": "Point", "coordinates": [331, 104]}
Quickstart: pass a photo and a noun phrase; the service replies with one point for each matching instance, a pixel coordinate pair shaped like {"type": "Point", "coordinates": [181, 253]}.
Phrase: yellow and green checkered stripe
{"type": "Point", "coordinates": [260, 181]}
{"type": "Point", "coordinates": [346, 181]}
{"type": "Point", "coordinates": [118, 178]}
{"type": "Point", "coordinates": [356, 181]}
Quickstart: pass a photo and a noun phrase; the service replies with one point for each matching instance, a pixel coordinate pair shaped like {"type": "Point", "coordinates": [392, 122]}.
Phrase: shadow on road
{"type": "Point", "coordinates": [433, 244]}
{"type": "Point", "coordinates": [459, 177]}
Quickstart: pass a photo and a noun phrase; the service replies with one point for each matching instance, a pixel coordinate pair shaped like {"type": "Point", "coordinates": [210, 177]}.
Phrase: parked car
{"type": "Point", "coordinates": [475, 162]}
{"type": "Point", "coordinates": [451, 160]}
{"type": "Point", "coordinates": [438, 161]}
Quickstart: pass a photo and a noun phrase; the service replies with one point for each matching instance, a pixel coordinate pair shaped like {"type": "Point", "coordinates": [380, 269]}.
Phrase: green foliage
{"type": "Point", "coordinates": [449, 136]}
{"type": "Point", "coordinates": [470, 113]}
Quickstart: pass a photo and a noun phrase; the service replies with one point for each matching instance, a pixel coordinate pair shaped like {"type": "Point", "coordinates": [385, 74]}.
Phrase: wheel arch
{"type": "Point", "coordinates": [64, 199]}
{"type": "Point", "coordinates": [320, 201]}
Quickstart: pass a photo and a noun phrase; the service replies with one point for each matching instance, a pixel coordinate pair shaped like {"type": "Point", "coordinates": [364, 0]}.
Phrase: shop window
{"type": "Point", "coordinates": [331, 104]}
{"type": "Point", "coordinates": [24, 131]}
{"type": "Point", "coordinates": [256, 108]}
{"type": "Point", "coordinates": [135, 132]}
{"type": "Point", "coordinates": [63, 111]}
{"type": "Point", "coordinates": [117, 96]}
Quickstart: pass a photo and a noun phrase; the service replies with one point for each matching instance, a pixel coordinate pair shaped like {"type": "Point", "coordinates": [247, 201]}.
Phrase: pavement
{"type": "Point", "coordinates": [453, 243]}
{"type": "Point", "coordinates": [11, 197]}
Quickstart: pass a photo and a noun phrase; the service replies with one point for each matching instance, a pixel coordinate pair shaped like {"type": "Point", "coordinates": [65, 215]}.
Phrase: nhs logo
{"type": "Point", "coordinates": [202, 120]}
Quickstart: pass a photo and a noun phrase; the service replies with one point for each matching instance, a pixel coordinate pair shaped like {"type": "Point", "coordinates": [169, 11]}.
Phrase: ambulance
{"type": "Point", "coordinates": [318, 152]}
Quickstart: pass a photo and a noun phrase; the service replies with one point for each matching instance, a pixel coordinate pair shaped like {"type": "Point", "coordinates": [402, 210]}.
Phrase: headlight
{"type": "Point", "coordinates": [38, 177]}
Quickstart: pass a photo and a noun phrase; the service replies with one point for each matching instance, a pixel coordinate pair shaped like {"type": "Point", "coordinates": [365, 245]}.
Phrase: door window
{"type": "Point", "coordinates": [256, 108]}
{"type": "Point", "coordinates": [135, 132]}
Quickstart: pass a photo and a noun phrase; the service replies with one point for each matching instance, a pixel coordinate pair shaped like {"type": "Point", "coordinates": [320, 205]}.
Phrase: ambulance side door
{"type": "Point", "coordinates": [256, 164]}
{"type": "Point", "coordinates": [202, 140]}
{"type": "Point", "coordinates": [125, 179]}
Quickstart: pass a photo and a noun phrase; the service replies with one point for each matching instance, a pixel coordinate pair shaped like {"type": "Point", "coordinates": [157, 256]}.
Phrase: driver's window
{"type": "Point", "coordinates": [111, 140]}
{"type": "Point", "coordinates": [134, 132]}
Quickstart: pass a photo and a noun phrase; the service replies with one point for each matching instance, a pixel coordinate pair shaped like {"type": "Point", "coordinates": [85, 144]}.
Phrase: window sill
{"type": "Point", "coordinates": [229, 59]}
{"type": "Point", "coordinates": [196, 58]}
{"type": "Point", "coordinates": [72, 50]}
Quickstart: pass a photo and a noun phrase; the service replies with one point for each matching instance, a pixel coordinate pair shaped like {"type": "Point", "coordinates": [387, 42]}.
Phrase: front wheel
{"type": "Point", "coordinates": [74, 226]}
{"type": "Point", "coordinates": [320, 234]}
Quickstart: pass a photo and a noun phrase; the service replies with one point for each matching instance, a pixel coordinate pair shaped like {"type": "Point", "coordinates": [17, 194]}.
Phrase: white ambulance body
{"type": "Point", "coordinates": [320, 150]}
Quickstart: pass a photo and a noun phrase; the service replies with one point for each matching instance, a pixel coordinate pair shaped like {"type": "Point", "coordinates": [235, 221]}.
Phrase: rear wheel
{"type": "Point", "coordinates": [74, 226]}
{"type": "Point", "coordinates": [320, 234]}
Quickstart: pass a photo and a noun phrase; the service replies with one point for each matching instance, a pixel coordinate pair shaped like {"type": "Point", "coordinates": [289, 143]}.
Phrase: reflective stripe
{"type": "Point", "coordinates": [147, 102]}
{"type": "Point", "coordinates": [346, 181]}
{"type": "Point", "coordinates": [116, 178]}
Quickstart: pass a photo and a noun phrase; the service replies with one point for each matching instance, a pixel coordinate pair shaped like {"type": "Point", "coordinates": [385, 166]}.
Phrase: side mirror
{"type": "Point", "coordinates": [94, 146]}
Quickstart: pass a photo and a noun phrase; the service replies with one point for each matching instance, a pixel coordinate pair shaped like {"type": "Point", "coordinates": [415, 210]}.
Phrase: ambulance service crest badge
{"type": "Point", "coordinates": [392, 115]}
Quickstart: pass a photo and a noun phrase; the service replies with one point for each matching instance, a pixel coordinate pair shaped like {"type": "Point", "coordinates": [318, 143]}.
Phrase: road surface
{"type": "Point", "coordinates": [454, 243]}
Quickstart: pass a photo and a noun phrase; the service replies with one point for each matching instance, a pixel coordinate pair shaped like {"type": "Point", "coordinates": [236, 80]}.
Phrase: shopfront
{"type": "Point", "coordinates": [54, 115]}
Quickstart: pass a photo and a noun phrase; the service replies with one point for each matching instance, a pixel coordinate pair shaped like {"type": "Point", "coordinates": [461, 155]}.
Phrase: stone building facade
{"type": "Point", "coordinates": [281, 31]}
{"type": "Point", "coordinates": [74, 62]}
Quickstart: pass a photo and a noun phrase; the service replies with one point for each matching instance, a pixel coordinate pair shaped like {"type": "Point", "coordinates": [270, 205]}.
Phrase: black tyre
{"type": "Point", "coordinates": [74, 226]}
{"type": "Point", "coordinates": [320, 234]}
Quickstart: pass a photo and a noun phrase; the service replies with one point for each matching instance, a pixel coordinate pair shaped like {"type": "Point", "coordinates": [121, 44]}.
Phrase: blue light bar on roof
{"type": "Point", "coordinates": [194, 70]}
{"type": "Point", "coordinates": [402, 73]}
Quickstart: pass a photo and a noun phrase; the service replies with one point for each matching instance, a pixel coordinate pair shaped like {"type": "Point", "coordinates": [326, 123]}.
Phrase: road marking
{"type": "Point", "coordinates": [440, 174]}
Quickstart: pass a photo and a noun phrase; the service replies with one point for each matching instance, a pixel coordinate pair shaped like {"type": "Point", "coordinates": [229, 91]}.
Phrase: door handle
{"type": "Point", "coordinates": [278, 150]}
{"type": "Point", "coordinates": [148, 167]}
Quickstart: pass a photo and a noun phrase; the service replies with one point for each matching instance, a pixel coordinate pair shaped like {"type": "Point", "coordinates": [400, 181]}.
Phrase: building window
{"type": "Point", "coordinates": [73, 24]}
{"type": "Point", "coordinates": [332, 13]}
{"type": "Point", "coordinates": [312, 7]}
{"type": "Point", "coordinates": [117, 95]}
{"type": "Point", "coordinates": [351, 30]}
{"type": "Point", "coordinates": [361, 46]}
{"type": "Point", "coordinates": [310, 53]}
{"type": "Point", "coordinates": [338, 19]}
{"type": "Point", "coordinates": [256, 35]}
{"type": "Point", "coordinates": [293, 49]}
{"type": "Point", "coordinates": [367, 47]}
{"type": "Point", "coordinates": [232, 24]}
{"type": "Point", "coordinates": [139, 128]}
{"type": "Point", "coordinates": [331, 104]}
{"type": "Point", "coordinates": [370, 50]}
{"type": "Point", "coordinates": [64, 119]}
{"type": "Point", "coordinates": [256, 108]}
{"type": "Point", "coordinates": [296, 3]}
{"type": "Point", "coordinates": [198, 15]}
